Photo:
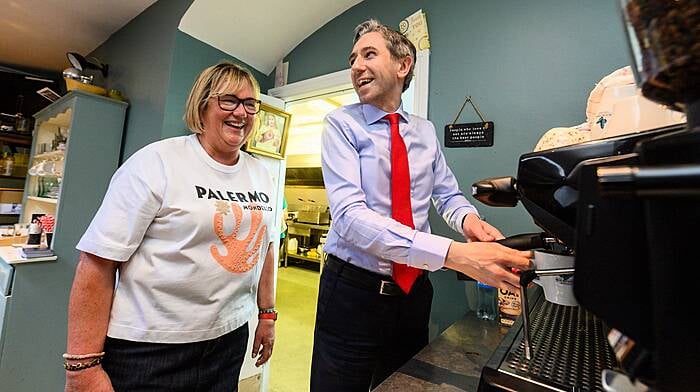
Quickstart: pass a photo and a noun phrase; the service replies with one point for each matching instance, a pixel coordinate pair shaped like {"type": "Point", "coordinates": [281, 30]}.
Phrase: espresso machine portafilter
{"type": "Point", "coordinates": [553, 261]}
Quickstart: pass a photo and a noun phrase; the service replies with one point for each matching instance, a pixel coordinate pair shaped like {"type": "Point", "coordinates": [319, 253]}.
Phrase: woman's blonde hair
{"type": "Point", "coordinates": [215, 80]}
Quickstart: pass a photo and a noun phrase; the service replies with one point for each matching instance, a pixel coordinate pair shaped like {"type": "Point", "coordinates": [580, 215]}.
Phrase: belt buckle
{"type": "Point", "coordinates": [385, 284]}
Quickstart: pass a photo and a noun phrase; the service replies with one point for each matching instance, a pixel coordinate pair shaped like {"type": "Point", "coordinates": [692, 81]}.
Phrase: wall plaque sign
{"type": "Point", "coordinates": [479, 134]}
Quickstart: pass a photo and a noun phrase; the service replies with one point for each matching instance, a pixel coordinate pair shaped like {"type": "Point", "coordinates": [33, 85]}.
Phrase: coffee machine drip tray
{"type": "Point", "coordinates": [570, 351]}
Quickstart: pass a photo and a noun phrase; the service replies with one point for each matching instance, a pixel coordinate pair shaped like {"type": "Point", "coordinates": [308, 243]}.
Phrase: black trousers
{"type": "Point", "coordinates": [361, 336]}
{"type": "Point", "coordinates": [207, 366]}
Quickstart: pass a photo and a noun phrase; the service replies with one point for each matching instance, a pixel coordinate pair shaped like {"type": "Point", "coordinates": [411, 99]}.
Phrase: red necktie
{"type": "Point", "coordinates": [401, 210]}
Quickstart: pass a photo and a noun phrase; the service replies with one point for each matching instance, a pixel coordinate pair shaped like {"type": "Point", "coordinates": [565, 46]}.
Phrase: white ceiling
{"type": "Point", "coordinates": [38, 33]}
{"type": "Point", "coordinates": [259, 33]}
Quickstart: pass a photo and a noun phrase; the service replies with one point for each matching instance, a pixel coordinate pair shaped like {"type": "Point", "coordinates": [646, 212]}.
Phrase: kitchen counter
{"type": "Point", "coordinates": [452, 362]}
{"type": "Point", "coordinates": [291, 223]}
{"type": "Point", "coordinates": [10, 254]}
{"type": "Point", "coordinates": [311, 232]}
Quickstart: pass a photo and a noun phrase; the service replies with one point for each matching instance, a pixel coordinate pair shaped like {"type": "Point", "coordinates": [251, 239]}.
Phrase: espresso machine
{"type": "Point", "coordinates": [557, 344]}
{"type": "Point", "coordinates": [625, 208]}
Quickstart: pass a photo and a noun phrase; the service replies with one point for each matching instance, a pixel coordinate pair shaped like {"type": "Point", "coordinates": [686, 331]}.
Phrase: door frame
{"type": "Point", "coordinates": [340, 80]}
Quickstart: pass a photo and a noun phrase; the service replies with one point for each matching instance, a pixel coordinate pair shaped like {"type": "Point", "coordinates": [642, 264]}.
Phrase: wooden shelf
{"type": "Point", "coordinates": [10, 240]}
{"type": "Point", "coordinates": [16, 139]}
{"type": "Point", "coordinates": [47, 200]}
{"type": "Point", "coordinates": [50, 154]}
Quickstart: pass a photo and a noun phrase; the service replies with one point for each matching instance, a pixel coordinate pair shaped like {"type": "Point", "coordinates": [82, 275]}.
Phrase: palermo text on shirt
{"type": "Point", "coordinates": [248, 197]}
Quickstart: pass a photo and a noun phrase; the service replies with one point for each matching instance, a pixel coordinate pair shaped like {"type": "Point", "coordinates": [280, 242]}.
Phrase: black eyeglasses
{"type": "Point", "coordinates": [229, 103]}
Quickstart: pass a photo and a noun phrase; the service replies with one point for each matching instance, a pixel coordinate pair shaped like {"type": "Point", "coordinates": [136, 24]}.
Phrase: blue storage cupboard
{"type": "Point", "coordinates": [80, 137]}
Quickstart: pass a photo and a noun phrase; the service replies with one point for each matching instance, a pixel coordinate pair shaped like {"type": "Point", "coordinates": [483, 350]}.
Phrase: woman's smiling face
{"type": "Point", "coordinates": [227, 131]}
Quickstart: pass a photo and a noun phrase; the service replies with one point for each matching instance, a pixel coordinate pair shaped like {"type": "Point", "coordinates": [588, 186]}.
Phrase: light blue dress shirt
{"type": "Point", "coordinates": [356, 162]}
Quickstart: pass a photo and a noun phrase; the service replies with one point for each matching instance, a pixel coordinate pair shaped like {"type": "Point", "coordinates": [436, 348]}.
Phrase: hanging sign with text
{"type": "Point", "coordinates": [478, 134]}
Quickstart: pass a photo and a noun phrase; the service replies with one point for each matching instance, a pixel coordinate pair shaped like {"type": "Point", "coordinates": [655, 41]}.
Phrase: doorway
{"type": "Point", "coordinates": [300, 264]}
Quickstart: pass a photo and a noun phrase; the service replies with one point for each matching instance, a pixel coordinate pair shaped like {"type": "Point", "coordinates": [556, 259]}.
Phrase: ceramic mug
{"type": "Point", "coordinates": [34, 234]}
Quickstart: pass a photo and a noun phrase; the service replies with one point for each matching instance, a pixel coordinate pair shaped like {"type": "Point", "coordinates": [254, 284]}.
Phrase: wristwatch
{"type": "Point", "coordinates": [267, 314]}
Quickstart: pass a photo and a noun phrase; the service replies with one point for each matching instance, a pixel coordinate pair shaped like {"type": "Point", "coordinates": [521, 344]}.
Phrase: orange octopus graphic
{"type": "Point", "coordinates": [240, 256]}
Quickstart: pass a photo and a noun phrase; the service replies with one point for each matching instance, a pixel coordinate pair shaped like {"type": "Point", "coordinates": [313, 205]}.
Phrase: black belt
{"type": "Point", "coordinates": [367, 279]}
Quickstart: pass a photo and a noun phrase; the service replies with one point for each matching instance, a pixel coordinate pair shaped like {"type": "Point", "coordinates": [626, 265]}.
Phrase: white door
{"type": "Point", "coordinates": [277, 169]}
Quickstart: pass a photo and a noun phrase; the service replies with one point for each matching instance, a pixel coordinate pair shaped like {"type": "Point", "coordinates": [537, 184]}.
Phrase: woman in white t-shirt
{"type": "Point", "coordinates": [187, 222]}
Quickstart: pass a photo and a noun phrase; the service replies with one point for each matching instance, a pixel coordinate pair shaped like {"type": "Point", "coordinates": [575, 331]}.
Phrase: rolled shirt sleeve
{"type": "Point", "coordinates": [132, 201]}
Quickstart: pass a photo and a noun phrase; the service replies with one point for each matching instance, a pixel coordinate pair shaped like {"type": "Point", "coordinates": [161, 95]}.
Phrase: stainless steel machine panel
{"type": "Point", "coordinates": [570, 349]}
{"type": "Point", "coordinates": [570, 353]}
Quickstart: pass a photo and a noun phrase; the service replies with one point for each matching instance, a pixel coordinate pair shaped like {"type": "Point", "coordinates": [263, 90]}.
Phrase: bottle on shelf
{"type": "Point", "coordinates": [8, 164]}
{"type": "Point", "coordinates": [292, 246]}
{"type": "Point", "coordinates": [486, 308]}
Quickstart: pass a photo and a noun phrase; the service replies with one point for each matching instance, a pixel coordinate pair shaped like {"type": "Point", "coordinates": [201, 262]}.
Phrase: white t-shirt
{"type": "Point", "coordinates": [182, 223]}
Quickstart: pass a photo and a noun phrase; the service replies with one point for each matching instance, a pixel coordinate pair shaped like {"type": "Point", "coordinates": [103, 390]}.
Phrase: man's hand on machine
{"type": "Point", "coordinates": [488, 262]}
{"type": "Point", "coordinates": [475, 229]}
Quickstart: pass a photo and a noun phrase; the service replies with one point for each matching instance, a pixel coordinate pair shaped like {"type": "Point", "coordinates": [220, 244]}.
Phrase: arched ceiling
{"type": "Point", "coordinates": [38, 33]}
{"type": "Point", "coordinates": [259, 33]}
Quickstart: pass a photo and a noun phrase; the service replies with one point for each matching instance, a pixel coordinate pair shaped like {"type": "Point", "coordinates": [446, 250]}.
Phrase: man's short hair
{"type": "Point", "coordinates": [399, 46]}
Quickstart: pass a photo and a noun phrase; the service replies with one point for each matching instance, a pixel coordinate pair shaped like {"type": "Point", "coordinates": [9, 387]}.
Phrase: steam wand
{"type": "Point", "coordinates": [526, 277]}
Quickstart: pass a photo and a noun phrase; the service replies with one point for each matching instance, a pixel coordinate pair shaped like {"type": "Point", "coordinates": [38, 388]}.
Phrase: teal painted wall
{"type": "Point", "coordinates": [140, 56]}
{"type": "Point", "coordinates": [190, 57]}
{"type": "Point", "coordinates": [529, 65]}
{"type": "Point", "coordinates": [154, 65]}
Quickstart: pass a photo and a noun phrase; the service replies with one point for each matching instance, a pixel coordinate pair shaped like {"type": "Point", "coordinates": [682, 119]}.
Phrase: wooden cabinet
{"type": "Point", "coordinates": [14, 157]}
{"type": "Point", "coordinates": [75, 150]}
{"type": "Point", "coordinates": [16, 146]}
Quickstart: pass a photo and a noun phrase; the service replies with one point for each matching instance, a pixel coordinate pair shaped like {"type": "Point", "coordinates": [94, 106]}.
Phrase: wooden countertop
{"type": "Point", "coordinates": [9, 240]}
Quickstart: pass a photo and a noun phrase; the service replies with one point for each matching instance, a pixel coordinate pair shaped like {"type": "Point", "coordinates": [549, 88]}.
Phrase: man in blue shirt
{"type": "Point", "coordinates": [367, 323]}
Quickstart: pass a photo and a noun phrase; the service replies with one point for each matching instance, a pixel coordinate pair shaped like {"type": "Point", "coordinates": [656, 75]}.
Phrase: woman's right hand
{"type": "Point", "coordinates": [93, 379]}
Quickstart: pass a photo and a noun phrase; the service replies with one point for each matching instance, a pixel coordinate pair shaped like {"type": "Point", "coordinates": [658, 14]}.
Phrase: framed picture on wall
{"type": "Point", "coordinates": [269, 137]}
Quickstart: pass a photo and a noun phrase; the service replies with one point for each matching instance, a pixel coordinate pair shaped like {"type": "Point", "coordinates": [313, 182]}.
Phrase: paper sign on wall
{"type": "Point", "coordinates": [415, 28]}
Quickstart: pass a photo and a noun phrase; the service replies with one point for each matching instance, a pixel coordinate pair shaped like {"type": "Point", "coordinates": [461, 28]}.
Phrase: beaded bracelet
{"type": "Point", "coordinates": [72, 367]}
{"type": "Point", "coordinates": [83, 356]}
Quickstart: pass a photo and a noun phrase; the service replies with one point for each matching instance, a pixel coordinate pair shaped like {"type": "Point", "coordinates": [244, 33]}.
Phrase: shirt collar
{"type": "Point", "coordinates": [373, 114]}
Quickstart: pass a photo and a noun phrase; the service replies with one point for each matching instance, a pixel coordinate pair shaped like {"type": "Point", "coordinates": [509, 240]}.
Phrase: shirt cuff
{"type": "Point", "coordinates": [428, 251]}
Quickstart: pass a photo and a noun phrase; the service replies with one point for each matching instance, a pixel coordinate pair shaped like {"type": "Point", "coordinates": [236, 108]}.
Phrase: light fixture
{"type": "Point", "coordinates": [81, 63]}
{"type": "Point", "coordinates": [75, 74]}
